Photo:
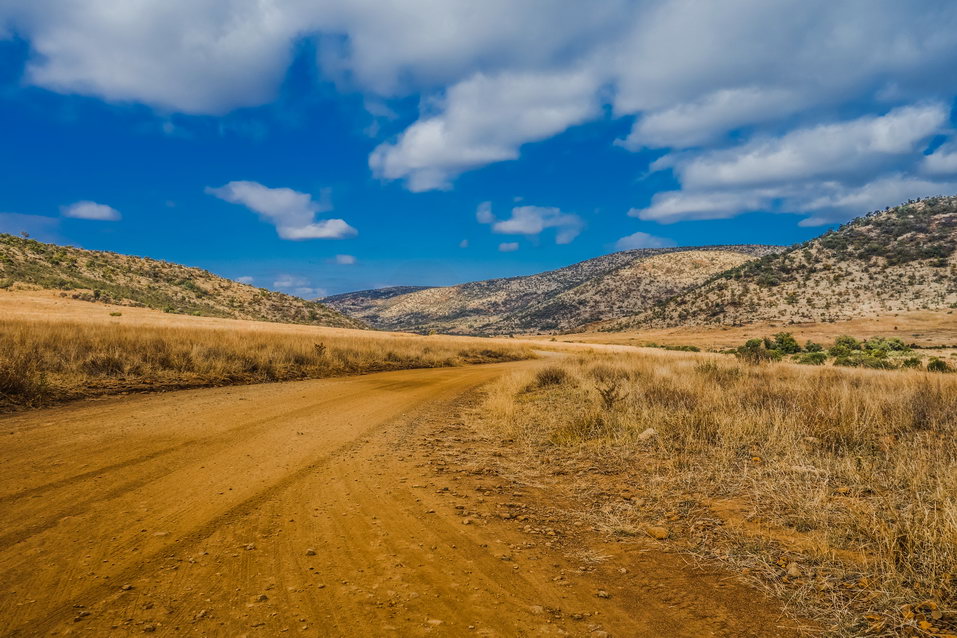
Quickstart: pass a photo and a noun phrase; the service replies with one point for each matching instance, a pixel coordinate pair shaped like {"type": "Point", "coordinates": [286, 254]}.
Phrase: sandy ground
{"type": "Point", "coordinates": [305, 508]}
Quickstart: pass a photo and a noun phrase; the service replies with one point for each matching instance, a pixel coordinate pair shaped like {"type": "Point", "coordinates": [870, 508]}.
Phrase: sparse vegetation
{"type": "Point", "coordinates": [42, 363]}
{"type": "Point", "coordinates": [103, 277]}
{"type": "Point", "coordinates": [834, 488]}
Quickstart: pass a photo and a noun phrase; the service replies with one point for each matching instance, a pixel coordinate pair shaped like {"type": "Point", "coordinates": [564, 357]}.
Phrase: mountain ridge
{"type": "Point", "coordinates": [111, 277]}
{"type": "Point", "coordinates": [559, 299]}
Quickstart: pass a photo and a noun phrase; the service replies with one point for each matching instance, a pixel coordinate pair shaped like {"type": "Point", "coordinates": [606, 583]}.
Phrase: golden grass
{"type": "Point", "coordinates": [845, 478]}
{"type": "Point", "coordinates": [43, 362]}
{"type": "Point", "coordinates": [928, 328]}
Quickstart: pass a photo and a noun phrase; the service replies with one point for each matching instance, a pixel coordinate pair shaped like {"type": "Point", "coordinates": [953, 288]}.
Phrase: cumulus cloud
{"type": "Point", "coordinates": [508, 246]}
{"type": "Point", "coordinates": [942, 161]}
{"type": "Point", "coordinates": [532, 220]}
{"type": "Point", "coordinates": [862, 145]}
{"type": "Point", "coordinates": [291, 212]}
{"type": "Point", "coordinates": [643, 240]}
{"type": "Point", "coordinates": [485, 119]}
{"type": "Point", "coordinates": [344, 260]}
{"type": "Point", "coordinates": [483, 214]}
{"type": "Point", "coordinates": [496, 75]}
{"type": "Point", "coordinates": [91, 210]}
{"type": "Point", "coordinates": [704, 120]}
{"type": "Point", "coordinates": [298, 286]}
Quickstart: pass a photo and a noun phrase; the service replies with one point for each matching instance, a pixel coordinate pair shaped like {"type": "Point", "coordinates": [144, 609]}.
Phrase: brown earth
{"type": "Point", "coordinates": [335, 507]}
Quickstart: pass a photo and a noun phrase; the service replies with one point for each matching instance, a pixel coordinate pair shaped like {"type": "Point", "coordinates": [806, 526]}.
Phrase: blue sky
{"type": "Point", "coordinates": [330, 145]}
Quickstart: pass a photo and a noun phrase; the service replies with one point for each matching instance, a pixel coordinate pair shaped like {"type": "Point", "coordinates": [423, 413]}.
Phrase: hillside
{"type": "Point", "coordinates": [895, 260]}
{"type": "Point", "coordinates": [609, 286]}
{"type": "Point", "coordinates": [141, 281]}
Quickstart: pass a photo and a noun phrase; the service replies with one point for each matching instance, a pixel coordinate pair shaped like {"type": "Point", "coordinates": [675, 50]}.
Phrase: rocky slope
{"type": "Point", "coordinates": [898, 259]}
{"type": "Point", "coordinates": [138, 281]}
{"type": "Point", "coordinates": [610, 286]}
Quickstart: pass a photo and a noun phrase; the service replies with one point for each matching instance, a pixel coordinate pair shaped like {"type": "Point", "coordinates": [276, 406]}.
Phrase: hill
{"type": "Point", "coordinates": [609, 286]}
{"type": "Point", "coordinates": [895, 260]}
{"type": "Point", "coordinates": [140, 281]}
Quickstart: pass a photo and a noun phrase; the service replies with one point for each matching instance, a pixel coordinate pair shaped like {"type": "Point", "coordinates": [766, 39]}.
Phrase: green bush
{"type": "Point", "coordinates": [755, 351]}
{"type": "Point", "coordinates": [812, 358]}
{"type": "Point", "coordinates": [810, 346]}
{"type": "Point", "coordinates": [785, 343]}
{"type": "Point", "coordinates": [911, 362]}
{"type": "Point", "coordinates": [938, 365]}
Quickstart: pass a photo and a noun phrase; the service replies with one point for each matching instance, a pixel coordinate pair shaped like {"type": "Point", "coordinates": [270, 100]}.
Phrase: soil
{"type": "Point", "coordinates": [334, 507]}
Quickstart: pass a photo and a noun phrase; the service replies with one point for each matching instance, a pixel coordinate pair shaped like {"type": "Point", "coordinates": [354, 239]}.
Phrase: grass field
{"type": "Point", "coordinates": [88, 350]}
{"type": "Point", "coordinates": [834, 488]}
{"type": "Point", "coordinates": [926, 328]}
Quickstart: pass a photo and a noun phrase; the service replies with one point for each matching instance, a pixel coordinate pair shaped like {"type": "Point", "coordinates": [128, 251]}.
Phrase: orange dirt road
{"type": "Point", "coordinates": [301, 509]}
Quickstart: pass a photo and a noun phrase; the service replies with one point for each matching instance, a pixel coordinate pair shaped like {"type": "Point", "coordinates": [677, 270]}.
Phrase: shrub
{"type": "Point", "coordinates": [551, 375]}
{"type": "Point", "coordinates": [755, 352]}
{"type": "Point", "coordinates": [938, 365]}
{"type": "Point", "coordinates": [812, 358]}
{"type": "Point", "coordinates": [785, 343]}
{"type": "Point", "coordinates": [911, 362]}
{"type": "Point", "coordinates": [811, 346]}
{"type": "Point", "coordinates": [848, 342]}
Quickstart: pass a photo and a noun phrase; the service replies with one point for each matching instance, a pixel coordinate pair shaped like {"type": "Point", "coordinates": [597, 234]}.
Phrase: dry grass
{"type": "Point", "coordinates": [835, 488]}
{"type": "Point", "coordinates": [47, 362]}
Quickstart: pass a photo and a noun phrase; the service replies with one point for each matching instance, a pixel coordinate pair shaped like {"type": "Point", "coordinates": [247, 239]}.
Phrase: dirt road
{"type": "Point", "coordinates": [304, 509]}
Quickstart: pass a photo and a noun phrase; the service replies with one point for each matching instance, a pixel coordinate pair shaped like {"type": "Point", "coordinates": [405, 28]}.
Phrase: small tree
{"type": "Point", "coordinates": [785, 343]}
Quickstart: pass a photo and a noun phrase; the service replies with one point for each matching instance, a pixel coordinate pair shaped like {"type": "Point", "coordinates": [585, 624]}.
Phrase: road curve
{"type": "Point", "coordinates": [280, 509]}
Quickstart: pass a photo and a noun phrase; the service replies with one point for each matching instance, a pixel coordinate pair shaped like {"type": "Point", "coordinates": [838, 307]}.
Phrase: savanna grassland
{"type": "Point", "coordinates": [833, 488]}
{"type": "Point", "coordinates": [80, 350]}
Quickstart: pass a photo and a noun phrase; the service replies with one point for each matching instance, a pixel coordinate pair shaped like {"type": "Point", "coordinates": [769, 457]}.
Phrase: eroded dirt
{"type": "Point", "coordinates": [336, 507]}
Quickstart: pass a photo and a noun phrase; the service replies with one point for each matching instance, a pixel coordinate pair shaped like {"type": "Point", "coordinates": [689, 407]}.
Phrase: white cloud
{"type": "Point", "coordinates": [843, 148]}
{"type": "Point", "coordinates": [643, 240]}
{"type": "Point", "coordinates": [344, 260]}
{"type": "Point", "coordinates": [532, 220]}
{"type": "Point", "coordinates": [291, 212]}
{"type": "Point", "coordinates": [508, 246]}
{"type": "Point", "coordinates": [298, 286]}
{"type": "Point", "coordinates": [499, 74]}
{"type": "Point", "coordinates": [704, 120]}
{"type": "Point", "coordinates": [246, 279]}
{"type": "Point", "coordinates": [483, 214]}
{"type": "Point", "coordinates": [91, 210]}
{"type": "Point", "coordinates": [838, 202]}
{"type": "Point", "coordinates": [464, 243]}
{"type": "Point", "coordinates": [485, 119]}
{"type": "Point", "coordinates": [673, 206]}
{"type": "Point", "coordinates": [942, 161]}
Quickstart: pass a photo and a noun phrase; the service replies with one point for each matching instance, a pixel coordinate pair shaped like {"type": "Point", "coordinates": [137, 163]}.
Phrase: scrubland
{"type": "Point", "coordinates": [835, 489]}
{"type": "Point", "coordinates": [43, 362]}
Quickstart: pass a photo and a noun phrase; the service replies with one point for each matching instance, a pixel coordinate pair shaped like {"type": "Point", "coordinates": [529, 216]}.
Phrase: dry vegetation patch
{"type": "Point", "coordinates": [47, 362]}
{"type": "Point", "coordinates": [834, 488]}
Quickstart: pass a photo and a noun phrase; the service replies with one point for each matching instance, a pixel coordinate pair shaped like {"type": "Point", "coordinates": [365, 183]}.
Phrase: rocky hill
{"type": "Point", "coordinates": [898, 259]}
{"type": "Point", "coordinates": [138, 281]}
{"type": "Point", "coordinates": [610, 286]}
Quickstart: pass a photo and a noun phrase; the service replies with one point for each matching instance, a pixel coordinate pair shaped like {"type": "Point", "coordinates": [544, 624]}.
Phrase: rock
{"type": "Point", "coordinates": [261, 598]}
{"type": "Point", "coordinates": [148, 629]}
{"type": "Point", "coordinates": [794, 570]}
{"type": "Point", "coordinates": [250, 547]}
{"type": "Point", "coordinates": [310, 552]}
{"type": "Point", "coordinates": [647, 435]}
{"type": "Point", "coordinates": [601, 593]}
{"type": "Point", "coordinates": [126, 587]}
{"type": "Point", "coordinates": [658, 532]}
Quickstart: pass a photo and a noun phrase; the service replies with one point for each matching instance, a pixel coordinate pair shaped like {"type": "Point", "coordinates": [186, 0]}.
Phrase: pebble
{"type": "Point", "coordinates": [601, 593]}
{"type": "Point", "coordinates": [659, 532]}
{"type": "Point", "coordinates": [310, 552]}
